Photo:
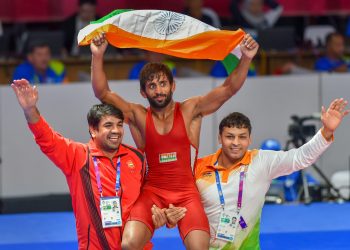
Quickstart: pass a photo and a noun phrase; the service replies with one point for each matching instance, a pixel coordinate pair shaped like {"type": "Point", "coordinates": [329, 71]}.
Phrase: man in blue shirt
{"type": "Point", "coordinates": [334, 60]}
{"type": "Point", "coordinates": [39, 67]}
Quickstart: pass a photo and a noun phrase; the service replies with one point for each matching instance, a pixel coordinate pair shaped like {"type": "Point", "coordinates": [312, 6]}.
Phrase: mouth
{"type": "Point", "coordinates": [114, 138]}
{"type": "Point", "coordinates": [235, 150]}
{"type": "Point", "coordinates": [160, 99]}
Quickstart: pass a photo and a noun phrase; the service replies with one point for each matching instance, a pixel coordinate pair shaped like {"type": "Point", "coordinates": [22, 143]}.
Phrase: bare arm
{"type": "Point", "coordinates": [99, 79]}
{"type": "Point", "coordinates": [218, 96]}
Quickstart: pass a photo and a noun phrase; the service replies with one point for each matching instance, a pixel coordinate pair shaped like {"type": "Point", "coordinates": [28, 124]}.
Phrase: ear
{"type": "Point", "coordinates": [173, 87]}
{"type": "Point", "coordinates": [30, 57]}
{"type": "Point", "coordinates": [92, 132]}
{"type": "Point", "coordinates": [219, 139]}
{"type": "Point", "coordinates": [143, 93]}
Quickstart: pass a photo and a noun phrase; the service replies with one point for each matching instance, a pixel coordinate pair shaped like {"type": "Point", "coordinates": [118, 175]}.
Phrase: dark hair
{"type": "Point", "coordinates": [98, 111]}
{"type": "Point", "coordinates": [82, 2]}
{"type": "Point", "coordinates": [235, 120]}
{"type": "Point", "coordinates": [330, 36]}
{"type": "Point", "coordinates": [154, 70]}
{"type": "Point", "coordinates": [32, 45]}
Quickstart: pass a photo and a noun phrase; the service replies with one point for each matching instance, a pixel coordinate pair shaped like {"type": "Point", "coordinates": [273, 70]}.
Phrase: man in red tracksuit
{"type": "Point", "coordinates": [99, 174]}
{"type": "Point", "coordinates": [168, 132]}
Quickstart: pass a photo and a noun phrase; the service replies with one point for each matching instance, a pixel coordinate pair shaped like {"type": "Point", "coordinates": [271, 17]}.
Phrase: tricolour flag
{"type": "Point", "coordinates": [166, 32]}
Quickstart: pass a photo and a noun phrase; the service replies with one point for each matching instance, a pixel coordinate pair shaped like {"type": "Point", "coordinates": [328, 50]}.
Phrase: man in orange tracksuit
{"type": "Point", "coordinates": [104, 176]}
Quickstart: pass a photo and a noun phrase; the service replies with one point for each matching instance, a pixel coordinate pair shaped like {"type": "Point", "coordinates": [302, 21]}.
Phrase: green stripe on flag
{"type": "Point", "coordinates": [230, 62]}
{"type": "Point", "coordinates": [113, 13]}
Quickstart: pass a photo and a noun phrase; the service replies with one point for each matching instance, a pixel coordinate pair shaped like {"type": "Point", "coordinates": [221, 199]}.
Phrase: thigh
{"type": "Point", "coordinates": [141, 210]}
{"type": "Point", "coordinates": [195, 218]}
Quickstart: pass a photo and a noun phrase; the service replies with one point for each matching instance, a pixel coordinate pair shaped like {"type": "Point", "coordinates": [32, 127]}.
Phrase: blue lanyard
{"type": "Point", "coordinates": [240, 191]}
{"type": "Point", "coordinates": [98, 177]}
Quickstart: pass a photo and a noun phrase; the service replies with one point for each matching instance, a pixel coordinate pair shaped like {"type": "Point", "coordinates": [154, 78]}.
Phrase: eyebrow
{"type": "Point", "coordinates": [245, 133]}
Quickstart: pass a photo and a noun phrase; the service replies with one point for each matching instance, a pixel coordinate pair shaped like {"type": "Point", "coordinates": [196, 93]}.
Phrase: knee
{"type": "Point", "coordinates": [197, 240]}
{"type": "Point", "coordinates": [132, 241]}
{"type": "Point", "coordinates": [198, 246]}
{"type": "Point", "coordinates": [129, 244]}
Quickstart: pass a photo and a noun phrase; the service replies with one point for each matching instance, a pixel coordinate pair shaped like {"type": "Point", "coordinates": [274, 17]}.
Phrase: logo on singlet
{"type": "Point", "coordinates": [167, 157]}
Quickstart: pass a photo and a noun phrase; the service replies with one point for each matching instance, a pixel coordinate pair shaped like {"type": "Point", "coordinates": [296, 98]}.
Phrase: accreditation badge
{"type": "Point", "coordinates": [228, 224]}
{"type": "Point", "coordinates": [110, 212]}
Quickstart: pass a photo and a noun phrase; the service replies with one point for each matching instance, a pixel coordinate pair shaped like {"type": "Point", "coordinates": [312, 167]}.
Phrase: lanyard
{"type": "Point", "coordinates": [98, 177]}
{"type": "Point", "coordinates": [240, 192]}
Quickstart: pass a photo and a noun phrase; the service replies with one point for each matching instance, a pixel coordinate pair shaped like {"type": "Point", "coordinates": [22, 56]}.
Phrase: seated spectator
{"type": "Point", "coordinates": [251, 14]}
{"type": "Point", "coordinates": [334, 59]}
{"type": "Point", "coordinates": [195, 9]}
{"type": "Point", "coordinates": [39, 67]}
{"type": "Point", "coordinates": [71, 26]}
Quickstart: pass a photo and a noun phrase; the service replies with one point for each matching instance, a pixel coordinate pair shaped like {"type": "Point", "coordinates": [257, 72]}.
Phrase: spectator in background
{"type": "Point", "coordinates": [251, 14]}
{"type": "Point", "coordinates": [71, 26]}
{"type": "Point", "coordinates": [195, 9]}
{"type": "Point", "coordinates": [334, 59]}
{"type": "Point", "coordinates": [39, 67]}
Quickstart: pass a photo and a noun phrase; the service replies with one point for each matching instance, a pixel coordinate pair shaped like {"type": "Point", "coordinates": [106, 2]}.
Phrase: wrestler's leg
{"type": "Point", "coordinates": [194, 227]}
{"type": "Point", "coordinates": [197, 240]}
{"type": "Point", "coordinates": [135, 236]}
{"type": "Point", "coordinates": [139, 228]}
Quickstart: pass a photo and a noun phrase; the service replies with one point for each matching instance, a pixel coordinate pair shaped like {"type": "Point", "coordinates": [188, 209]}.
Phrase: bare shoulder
{"type": "Point", "coordinates": [139, 113]}
{"type": "Point", "coordinates": [190, 104]}
{"type": "Point", "coordinates": [138, 107]}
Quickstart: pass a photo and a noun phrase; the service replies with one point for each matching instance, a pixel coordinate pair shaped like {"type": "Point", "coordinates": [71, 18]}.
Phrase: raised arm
{"type": "Point", "coordinates": [64, 153]}
{"type": "Point", "coordinates": [27, 97]}
{"type": "Point", "coordinates": [283, 163]}
{"type": "Point", "coordinates": [218, 96]}
{"type": "Point", "coordinates": [99, 79]}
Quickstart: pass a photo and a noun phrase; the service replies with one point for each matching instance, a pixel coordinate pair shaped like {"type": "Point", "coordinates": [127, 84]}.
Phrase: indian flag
{"type": "Point", "coordinates": [166, 32]}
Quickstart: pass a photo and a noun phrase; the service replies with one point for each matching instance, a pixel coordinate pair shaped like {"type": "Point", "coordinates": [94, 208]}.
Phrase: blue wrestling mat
{"type": "Point", "coordinates": [320, 226]}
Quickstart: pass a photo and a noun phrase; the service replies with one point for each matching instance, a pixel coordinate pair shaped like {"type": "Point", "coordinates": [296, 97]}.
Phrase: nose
{"type": "Point", "coordinates": [116, 129]}
{"type": "Point", "coordinates": [158, 89]}
{"type": "Point", "coordinates": [235, 141]}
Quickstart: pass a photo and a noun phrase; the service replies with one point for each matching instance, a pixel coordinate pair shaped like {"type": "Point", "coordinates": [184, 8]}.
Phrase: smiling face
{"type": "Point", "coordinates": [234, 135]}
{"type": "Point", "coordinates": [235, 142]}
{"type": "Point", "coordinates": [108, 134]}
{"type": "Point", "coordinates": [159, 91]}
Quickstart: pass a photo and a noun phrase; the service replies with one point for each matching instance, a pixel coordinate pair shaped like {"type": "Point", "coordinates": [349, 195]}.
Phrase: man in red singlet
{"type": "Point", "coordinates": [168, 132]}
